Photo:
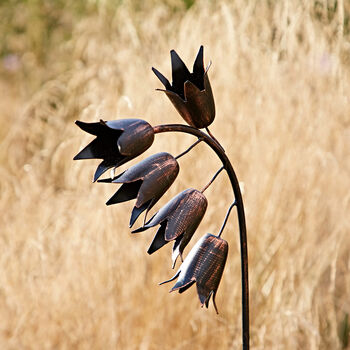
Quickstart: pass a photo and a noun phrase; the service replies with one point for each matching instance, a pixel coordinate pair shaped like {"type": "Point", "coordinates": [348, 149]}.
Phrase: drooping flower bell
{"type": "Point", "coordinates": [146, 181]}
{"type": "Point", "coordinates": [190, 93]}
{"type": "Point", "coordinates": [204, 266]}
{"type": "Point", "coordinates": [116, 142]}
{"type": "Point", "coordinates": [178, 221]}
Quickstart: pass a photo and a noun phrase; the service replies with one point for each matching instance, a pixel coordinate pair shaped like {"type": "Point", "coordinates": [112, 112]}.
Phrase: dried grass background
{"type": "Point", "coordinates": [71, 274]}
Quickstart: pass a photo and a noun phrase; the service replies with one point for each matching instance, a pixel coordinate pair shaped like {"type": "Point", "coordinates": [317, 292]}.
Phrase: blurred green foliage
{"type": "Point", "coordinates": [36, 26]}
{"type": "Point", "coordinates": [32, 30]}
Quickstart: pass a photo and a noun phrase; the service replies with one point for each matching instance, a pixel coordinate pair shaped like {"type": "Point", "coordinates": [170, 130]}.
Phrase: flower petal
{"type": "Point", "coordinates": [200, 105]}
{"type": "Point", "coordinates": [162, 78]}
{"type": "Point", "coordinates": [143, 168]}
{"type": "Point", "coordinates": [137, 137]}
{"type": "Point", "coordinates": [158, 178]}
{"type": "Point", "coordinates": [91, 151]}
{"type": "Point", "coordinates": [166, 211]}
{"type": "Point", "coordinates": [125, 193]}
{"type": "Point", "coordinates": [172, 278]}
{"type": "Point", "coordinates": [102, 147]}
{"type": "Point", "coordinates": [92, 128]}
{"type": "Point", "coordinates": [210, 267]}
{"type": "Point", "coordinates": [198, 66]}
{"type": "Point", "coordinates": [180, 73]}
{"type": "Point", "coordinates": [198, 70]}
{"type": "Point", "coordinates": [102, 168]}
{"type": "Point", "coordinates": [136, 212]}
{"type": "Point", "coordinates": [158, 240]}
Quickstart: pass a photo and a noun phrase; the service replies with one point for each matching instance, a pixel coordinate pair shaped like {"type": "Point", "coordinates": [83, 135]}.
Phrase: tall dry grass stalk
{"type": "Point", "coordinates": [71, 275]}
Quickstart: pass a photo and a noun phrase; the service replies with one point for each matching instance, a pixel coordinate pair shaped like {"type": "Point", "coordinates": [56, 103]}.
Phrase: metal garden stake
{"type": "Point", "coordinates": [119, 141]}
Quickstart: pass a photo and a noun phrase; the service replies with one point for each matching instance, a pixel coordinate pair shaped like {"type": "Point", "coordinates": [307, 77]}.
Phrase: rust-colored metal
{"type": "Point", "coordinates": [119, 141]}
{"type": "Point", "coordinates": [178, 221]}
{"type": "Point", "coordinates": [116, 142]}
{"type": "Point", "coordinates": [204, 266]}
{"type": "Point", "coordinates": [146, 181]}
{"type": "Point", "coordinates": [190, 93]}
{"type": "Point", "coordinates": [217, 148]}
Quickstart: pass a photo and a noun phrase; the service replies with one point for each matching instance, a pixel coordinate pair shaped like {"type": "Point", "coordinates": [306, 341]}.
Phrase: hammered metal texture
{"type": "Point", "coordinates": [179, 219]}
{"type": "Point", "coordinates": [146, 181]}
{"type": "Point", "coordinates": [204, 266]}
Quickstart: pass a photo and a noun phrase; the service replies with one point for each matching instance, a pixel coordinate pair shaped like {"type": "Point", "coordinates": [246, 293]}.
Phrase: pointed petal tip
{"type": "Point", "coordinates": [175, 58]}
{"type": "Point", "coordinates": [198, 66]}
{"type": "Point", "coordinates": [136, 212]}
{"type": "Point", "coordinates": [101, 169]}
{"type": "Point", "coordinates": [171, 279]}
{"type": "Point", "coordinates": [150, 252]}
{"type": "Point", "coordinates": [200, 51]}
{"type": "Point", "coordinates": [105, 180]}
{"type": "Point", "coordinates": [162, 78]}
{"type": "Point", "coordinates": [140, 229]}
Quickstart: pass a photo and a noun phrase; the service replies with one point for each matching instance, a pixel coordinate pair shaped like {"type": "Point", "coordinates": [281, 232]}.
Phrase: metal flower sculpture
{"type": "Point", "coordinates": [116, 142]}
{"type": "Point", "coordinates": [204, 266]}
{"type": "Point", "coordinates": [119, 141]}
{"type": "Point", "coordinates": [178, 221]}
{"type": "Point", "coordinates": [146, 181]}
{"type": "Point", "coordinates": [190, 93]}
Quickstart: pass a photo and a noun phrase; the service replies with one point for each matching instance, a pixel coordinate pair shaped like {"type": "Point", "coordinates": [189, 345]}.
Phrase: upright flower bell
{"type": "Point", "coordinates": [146, 181]}
{"type": "Point", "coordinates": [204, 266]}
{"type": "Point", "coordinates": [178, 221]}
{"type": "Point", "coordinates": [190, 93]}
{"type": "Point", "coordinates": [116, 142]}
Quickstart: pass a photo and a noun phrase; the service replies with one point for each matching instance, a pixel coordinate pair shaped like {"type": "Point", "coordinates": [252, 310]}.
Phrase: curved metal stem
{"type": "Point", "coordinates": [217, 148]}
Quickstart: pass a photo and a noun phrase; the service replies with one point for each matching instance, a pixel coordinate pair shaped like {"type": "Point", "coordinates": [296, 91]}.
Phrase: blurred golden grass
{"type": "Point", "coordinates": [71, 275]}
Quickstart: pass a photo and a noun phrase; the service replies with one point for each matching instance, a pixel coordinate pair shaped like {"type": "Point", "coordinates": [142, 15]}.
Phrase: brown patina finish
{"type": "Point", "coordinates": [146, 181]}
{"type": "Point", "coordinates": [204, 266]}
{"type": "Point", "coordinates": [178, 221]}
{"type": "Point", "coordinates": [116, 142]}
{"type": "Point", "coordinates": [190, 93]}
{"type": "Point", "coordinates": [119, 141]}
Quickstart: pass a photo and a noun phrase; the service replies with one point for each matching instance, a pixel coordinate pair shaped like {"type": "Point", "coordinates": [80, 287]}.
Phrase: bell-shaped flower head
{"type": "Point", "coordinates": [146, 181]}
{"type": "Point", "coordinates": [204, 266]}
{"type": "Point", "coordinates": [190, 93]}
{"type": "Point", "coordinates": [116, 142]}
{"type": "Point", "coordinates": [178, 221]}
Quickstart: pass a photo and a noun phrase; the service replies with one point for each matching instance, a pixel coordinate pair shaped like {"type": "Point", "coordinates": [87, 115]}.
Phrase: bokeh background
{"type": "Point", "coordinates": [71, 274]}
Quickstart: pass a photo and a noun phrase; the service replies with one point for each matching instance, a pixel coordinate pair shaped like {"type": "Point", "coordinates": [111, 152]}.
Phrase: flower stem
{"type": "Point", "coordinates": [189, 148]}
{"type": "Point", "coordinates": [213, 178]}
{"type": "Point", "coordinates": [217, 148]}
{"type": "Point", "coordinates": [214, 138]}
{"type": "Point", "coordinates": [226, 218]}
